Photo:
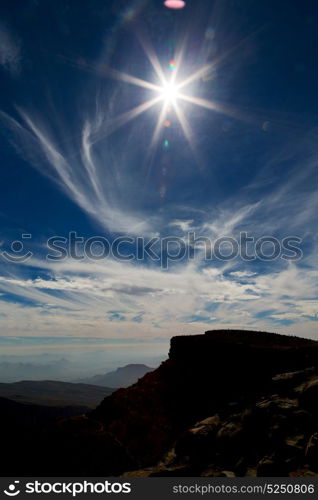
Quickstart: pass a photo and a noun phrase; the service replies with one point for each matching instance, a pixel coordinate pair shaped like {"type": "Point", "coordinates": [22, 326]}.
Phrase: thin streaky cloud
{"type": "Point", "coordinates": [79, 177]}
{"type": "Point", "coordinates": [10, 51]}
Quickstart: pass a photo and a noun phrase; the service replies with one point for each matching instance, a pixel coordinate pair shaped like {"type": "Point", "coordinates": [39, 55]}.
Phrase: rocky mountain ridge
{"type": "Point", "coordinates": [203, 374]}
{"type": "Point", "coordinates": [54, 393]}
{"type": "Point", "coordinates": [224, 403]}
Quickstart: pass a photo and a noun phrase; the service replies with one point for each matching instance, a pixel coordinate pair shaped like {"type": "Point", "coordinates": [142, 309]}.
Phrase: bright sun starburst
{"type": "Point", "coordinates": [169, 91]}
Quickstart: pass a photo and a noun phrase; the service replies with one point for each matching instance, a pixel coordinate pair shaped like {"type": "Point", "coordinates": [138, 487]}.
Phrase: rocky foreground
{"type": "Point", "coordinates": [225, 403]}
{"type": "Point", "coordinates": [231, 403]}
{"type": "Point", "coordinates": [274, 435]}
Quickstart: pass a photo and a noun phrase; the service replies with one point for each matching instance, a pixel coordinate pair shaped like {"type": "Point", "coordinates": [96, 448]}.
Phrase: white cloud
{"type": "Point", "coordinates": [83, 178]}
{"type": "Point", "coordinates": [184, 225]}
{"type": "Point", "coordinates": [79, 296]}
{"type": "Point", "coordinates": [10, 51]}
{"type": "Point", "coordinates": [76, 297]}
{"type": "Point", "coordinates": [242, 274]}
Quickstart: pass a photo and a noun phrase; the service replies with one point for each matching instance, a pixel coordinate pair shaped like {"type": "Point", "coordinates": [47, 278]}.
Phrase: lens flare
{"type": "Point", "coordinates": [174, 4]}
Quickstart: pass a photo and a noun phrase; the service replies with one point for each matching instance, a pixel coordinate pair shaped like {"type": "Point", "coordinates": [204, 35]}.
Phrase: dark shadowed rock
{"type": "Point", "coordinates": [308, 395]}
{"type": "Point", "coordinates": [215, 472]}
{"type": "Point", "coordinates": [230, 441]}
{"type": "Point", "coordinates": [284, 382]}
{"type": "Point", "coordinates": [271, 466]}
{"type": "Point", "coordinates": [217, 404]}
{"type": "Point", "coordinates": [162, 471]}
{"type": "Point", "coordinates": [311, 452]}
{"type": "Point", "coordinates": [92, 449]}
{"type": "Point", "coordinates": [198, 444]}
{"type": "Point", "coordinates": [203, 374]}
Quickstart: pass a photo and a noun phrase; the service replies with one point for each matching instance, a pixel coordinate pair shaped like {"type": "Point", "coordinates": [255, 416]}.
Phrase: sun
{"type": "Point", "coordinates": [169, 93]}
{"type": "Point", "coordinates": [167, 90]}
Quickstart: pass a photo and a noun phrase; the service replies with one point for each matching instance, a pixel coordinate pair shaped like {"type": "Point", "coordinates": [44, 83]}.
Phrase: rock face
{"type": "Point", "coordinates": [203, 375]}
{"type": "Point", "coordinates": [21, 435]}
{"type": "Point", "coordinates": [225, 403]}
{"type": "Point", "coordinates": [272, 435]}
{"type": "Point", "coordinates": [82, 446]}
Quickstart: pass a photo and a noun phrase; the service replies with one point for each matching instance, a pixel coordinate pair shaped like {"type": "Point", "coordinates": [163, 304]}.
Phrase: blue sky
{"type": "Point", "coordinates": [245, 159]}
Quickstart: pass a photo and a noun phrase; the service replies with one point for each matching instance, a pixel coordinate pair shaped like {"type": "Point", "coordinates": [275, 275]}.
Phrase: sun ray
{"type": "Point", "coordinates": [167, 90]}
{"type": "Point", "coordinates": [187, 130]}
{"type": "Point", "coordinates": [203, 103]}
{"type": "Point", "coordinates": [158, 128]}
{"type": "Point", "coordinates": [125, 77]}
{"type": "Point", "coordinates": [153, 58]}
{"type": "Point", "coordinates": [124, 118]}
{"type": "Point", "coordinates": [198, 74]}
{"type": "Point", "coordinates": [184, 124]}
{"type": "Point", "coordinates": [107, 71]}
{"type": "Point", "coordinates": [178, 62]}
{"type": "Point", "coordinates": [220, 108]}
{"type": "Point", "coordinates": [155, 138]}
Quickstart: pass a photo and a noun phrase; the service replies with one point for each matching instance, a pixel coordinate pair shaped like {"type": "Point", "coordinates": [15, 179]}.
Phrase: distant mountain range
{"type": "Point", "coordinates": [52, 393]}
{"type": "Point", "coordinates": [86, 393]}
{"type": "Point", "coordinates": [122, 377]}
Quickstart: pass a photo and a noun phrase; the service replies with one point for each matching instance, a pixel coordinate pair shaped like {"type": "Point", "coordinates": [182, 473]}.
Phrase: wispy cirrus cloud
{"type": "Point", "coordinates": [111, 298]}
{"type": "Point", "coordinates": [75, 167]}
{"type": "Point", "coordinates": [82, 296]}
{"type": "Point", "coordinates": [105, 299]}
{"type": "Point", "coordinates": [10, 51]}
{"type": "Point", "coordinates": [117, 298]}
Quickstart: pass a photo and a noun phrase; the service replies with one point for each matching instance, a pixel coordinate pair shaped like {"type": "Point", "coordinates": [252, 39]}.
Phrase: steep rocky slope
{"type": "Point", "coordinates": [275, 434]}
{"type": "Point", "coordinates": [224, 403]}
{"type": "Point", "coordinates": [203, 374]}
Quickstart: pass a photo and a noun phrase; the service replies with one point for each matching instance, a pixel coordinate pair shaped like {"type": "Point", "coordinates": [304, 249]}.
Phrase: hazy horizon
{"type": "Point", "coordinates": [70, 359]}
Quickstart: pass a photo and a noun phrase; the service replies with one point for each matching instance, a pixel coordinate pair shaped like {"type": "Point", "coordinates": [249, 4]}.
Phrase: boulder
{"type": "Point", "coordinates": [215, 472]}
{"type": "Point", "coordinates": [197, 445]}
{"type": "Point", "coordinates": [278, 404]}
{"type": "Point", "coordinates": [308, 395]}
{"type": "Point", "coordinates": [286, 382]}
{"type": "Point", "coordinates": [162, 471]}
{"type": "Point", "coordinates": [311, 452]}
{"type": "Point", "coordinates": [271, 466]}
{"type": "Point", "coordinates": [231, 441]}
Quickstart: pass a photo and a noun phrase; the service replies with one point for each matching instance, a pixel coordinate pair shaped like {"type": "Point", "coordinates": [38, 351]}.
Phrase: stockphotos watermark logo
{"type": "Point", "coordinates": [76, 488]}
{"type": "Point", "coordinates": [12, 490]}
{"type": "Point", "coordinates": [164, 251]}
